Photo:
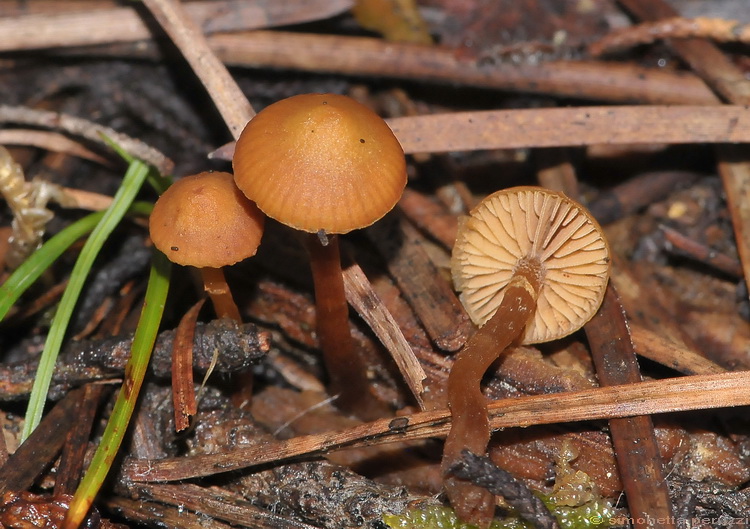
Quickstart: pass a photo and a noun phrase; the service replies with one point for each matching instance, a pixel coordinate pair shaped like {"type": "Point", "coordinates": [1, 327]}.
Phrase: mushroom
{"type": "Point", "coordinates": [324, 164]}
{"type": "Point", "coordinates": [204, 221]}
{"type": "Point", "coordinates": [532, 266]}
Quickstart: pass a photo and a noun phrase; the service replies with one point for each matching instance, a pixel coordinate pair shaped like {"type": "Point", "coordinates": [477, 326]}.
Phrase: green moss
{"type": "Point", "coordinates": [575, 501]}
{"type": "Point", "coordinates": [591, 515]}
{"type": "Point", "coordinates": [439, 517]}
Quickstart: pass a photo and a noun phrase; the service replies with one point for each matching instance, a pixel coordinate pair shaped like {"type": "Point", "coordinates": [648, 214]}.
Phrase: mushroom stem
{"type": "Point", "coordinates": [215, 284]}
{"type": "Point", "coordinates": [346, 372]}
{"type": "Point", "coordinates": [470, 427]}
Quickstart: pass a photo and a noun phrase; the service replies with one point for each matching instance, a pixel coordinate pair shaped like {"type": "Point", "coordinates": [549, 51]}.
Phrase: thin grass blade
{"type": "Point", "coordinates": [135, 370]}
{"type": "Point", "coordinates": [131, 184]}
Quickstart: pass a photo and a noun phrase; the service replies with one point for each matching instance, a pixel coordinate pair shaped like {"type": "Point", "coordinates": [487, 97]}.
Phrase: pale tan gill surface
{"type": "Point", "coordinates": [532, 223]}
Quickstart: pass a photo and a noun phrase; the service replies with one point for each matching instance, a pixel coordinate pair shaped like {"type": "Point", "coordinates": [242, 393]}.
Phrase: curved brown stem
{"type": "Point", "coordinates": [470, 427]}
{"type": "Point", "coordinates": [346, 371]}
{"type": "Point", "coordinates": [215, 284]}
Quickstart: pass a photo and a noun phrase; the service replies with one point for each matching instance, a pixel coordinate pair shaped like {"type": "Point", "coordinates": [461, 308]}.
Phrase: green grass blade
{"type": "Point", "coordinates": [131, 184]}
{"type": "Point", "coordinates": [33, 267]}
{"type": "Point", "coordinates": [135, 370]}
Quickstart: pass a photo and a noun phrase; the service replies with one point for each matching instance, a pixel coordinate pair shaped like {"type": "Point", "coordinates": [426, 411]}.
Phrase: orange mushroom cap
{"type": "Point", "coordinates": [203, 220]}
{"type": "Point", "coordinates": [320, 162]}
{"type": "Point", "coordinates": [537, 226]}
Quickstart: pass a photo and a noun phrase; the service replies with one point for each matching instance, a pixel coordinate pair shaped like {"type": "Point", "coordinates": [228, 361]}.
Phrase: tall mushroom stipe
{"type": "Point", "coordinates": [532, 266]}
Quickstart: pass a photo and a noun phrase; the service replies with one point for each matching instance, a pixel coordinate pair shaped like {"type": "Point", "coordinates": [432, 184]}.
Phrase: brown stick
{"type": "Point", "coordinates": [580, 126]}
{"type": "Point", "coordinates": [683, 245]}
{"type": "Point", "coordinates": [374, 57]}
{"type": "Point", "coordinates": [40, 449]}
{"type": "Point", "coordinates": [183, 389]}
{"type": "Point", "coordinates": [76, 442]}
{"type": "Point", "coordinates": [644, 398]}
{"type": "Point", "coordinates": [84, 26]}
{"type": "Point", "coordinates": [637, 192]}
{"type": "Point", "coordinates": [213, 504]}
{"type": "Point", "coordinates": [420, 282]}
{"type": "Point", "coordinates": [656, 347]}
{"type": "Point", "coordinates": [361, 295]}
{"type": "Point", "coordinates": [634, 440]}
{"type": "Point", "coordinates": [50, 141]}
{"type": "Point", "coordinates": [85, 129]}
{"type": "Point", "coordinates": [718, 29]}
{"type": "Point", "coordinates": [234, 107]}
{"type": "Point", "coordinates": [573, 127]}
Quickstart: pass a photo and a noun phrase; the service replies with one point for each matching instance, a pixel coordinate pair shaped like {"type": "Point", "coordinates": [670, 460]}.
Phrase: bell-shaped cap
{"type": "Point", "coordinates": [544, 228]}
{"type": "Point", "coordinates": [203, 220]}
{"type": "Point", "coordinates": [320, 162]}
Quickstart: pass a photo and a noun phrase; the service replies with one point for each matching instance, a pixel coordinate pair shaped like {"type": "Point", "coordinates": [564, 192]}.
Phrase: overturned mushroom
{"type": "Point", "coordinates": [532, 266]}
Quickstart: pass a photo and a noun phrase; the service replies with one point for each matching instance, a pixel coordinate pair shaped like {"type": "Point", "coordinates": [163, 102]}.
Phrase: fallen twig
{"type": "Point", "coordinates": [85, 129]}
{"type": "Point", "coordinates": [225, 93]}
{"type": "Point", "coordinates": [483, 473]}
{"type": "Point", "coordinates": [67, 27]}
{"type": "Point", "coordinates": [717, 29]}
{"type": "Point", "coordinates": [565, 127]}
{"type": "Point", "coordinates": [662, 396]}
{"type": "Point", "coordinates": [638, 459]}
{"type": "Point", "coordinates": [374, 57]}
{"type": "Point", "coordinates": [361, 296]}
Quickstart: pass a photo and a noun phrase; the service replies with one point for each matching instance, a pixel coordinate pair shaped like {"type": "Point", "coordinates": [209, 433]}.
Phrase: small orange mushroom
{"type": "Point", "coordinates": [204, 221]}
{"type": "Point", "coordinates": [532, 266]}
{"type": "Point", "coordinates": [324, 164]}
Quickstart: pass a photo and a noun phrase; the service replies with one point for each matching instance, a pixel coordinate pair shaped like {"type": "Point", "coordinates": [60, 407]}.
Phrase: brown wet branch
{"type": "Point", "coordinates": [643, 398]}
{"type": "Point", "coordinates": [234, 107]}
{"type": "Point", "coordinates": [578, 126]}
{"type": "Point", "coordinates": [480, 471]}
{"type": "Point", "coordinates": [105, 359]}
{"type": "Point", "coordinates": [376, 58]}
{"type": "Point", "coordinates": [638, 459]}
{"type": "Point", "coordinates": [35, 454]}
